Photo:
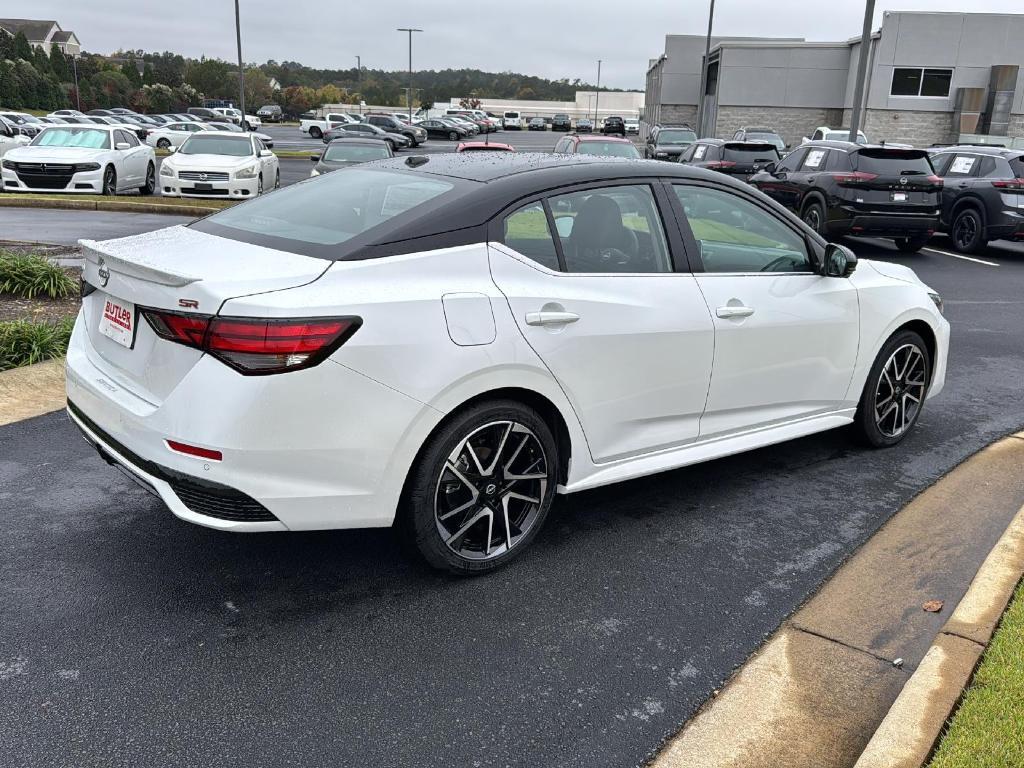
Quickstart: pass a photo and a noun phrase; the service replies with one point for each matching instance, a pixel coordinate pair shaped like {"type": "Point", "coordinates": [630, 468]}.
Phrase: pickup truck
{"type": "Point", "coordinates": [318, 126]}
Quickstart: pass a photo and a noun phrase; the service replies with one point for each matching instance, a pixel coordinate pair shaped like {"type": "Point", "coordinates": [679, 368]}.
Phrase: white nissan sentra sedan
{"type": "Point", "coordinates": [91, 159]}
{"type": "Point", "coordinates": [215, 164]}
{"type": "Point", "coordinates": [446, 343]}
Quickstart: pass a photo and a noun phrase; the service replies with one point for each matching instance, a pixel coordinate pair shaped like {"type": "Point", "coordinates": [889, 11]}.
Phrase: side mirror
{"type": "Point", "coordinates": [770, 168]}
{"type": "Point", "coordinates": [839, 261]}
{"type": "Point", "coordinates": [266, 153]}
{"type": "Point", "coordinates": [172, 149]}
{"type": "Point", "coordinates": [314, 158]}
{"type": "Point", "coordinates": [122, 145]}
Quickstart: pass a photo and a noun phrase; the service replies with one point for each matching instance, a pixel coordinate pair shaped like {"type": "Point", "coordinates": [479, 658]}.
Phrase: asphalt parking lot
{"type": "Point", "coordinates": [133, 639]}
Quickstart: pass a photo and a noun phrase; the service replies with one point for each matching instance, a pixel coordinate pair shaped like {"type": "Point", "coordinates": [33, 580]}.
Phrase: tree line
{"type": "Point", "coordinates": [166, 82]}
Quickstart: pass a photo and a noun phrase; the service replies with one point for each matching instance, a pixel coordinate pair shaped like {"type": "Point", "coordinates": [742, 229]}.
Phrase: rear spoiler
{"type": "Point", "coordinates": [135, 265]}
{"type": "Point", "coordinates": [752, 146]}
{"type": "Point", "coordinates": [905, 153]}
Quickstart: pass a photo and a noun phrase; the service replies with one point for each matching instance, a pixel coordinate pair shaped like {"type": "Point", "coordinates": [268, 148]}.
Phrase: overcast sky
{"type": "Point", "coordinates": [536, 37]}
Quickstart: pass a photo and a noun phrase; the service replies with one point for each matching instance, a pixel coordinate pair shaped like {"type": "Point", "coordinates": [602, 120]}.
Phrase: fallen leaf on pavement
{"type": "Point", "coordinates": [933, 606]}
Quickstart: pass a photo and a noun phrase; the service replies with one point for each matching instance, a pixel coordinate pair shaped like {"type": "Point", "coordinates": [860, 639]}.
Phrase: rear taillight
{"type": "Point", "coordinates": [256, 346]}
{"type": "Point", "coordinates": [935, 181]}
{"type": "Point", "coordinates": [1014, 185]}
{"type": "Point", "coordinates": [853, 178]}
{"type": "Point", "coordinates": [718, 164]}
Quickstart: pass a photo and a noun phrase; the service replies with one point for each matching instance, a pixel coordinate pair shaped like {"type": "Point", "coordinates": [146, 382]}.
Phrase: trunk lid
{"type": "Point", "coordinates": [181, 270]}
{"type": "Point", "coordinates": [897, 180]}
{"type": "Point", "coordinates": [745, 158]}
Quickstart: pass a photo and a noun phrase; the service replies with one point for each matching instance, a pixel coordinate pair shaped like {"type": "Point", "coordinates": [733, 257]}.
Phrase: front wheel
{"type": "Point", "coordinates": [277, 179]}
{"type": "Point", "coordinates": [968, 231]}
{"type": "Point", "coordinates": [150, 186]}
{"type": "Point", "coordinates": [453, 136]}
{"type": "Point", "coordinates": [481, 488]}
{"type": "Point", "coordinates": [895, 391]}
{"type": "Point", "coordinates": [912, 244]}
{"type": "Point", "coordinates": [259, 186]}
{"type": "Point", "coordinates": [110, 181]}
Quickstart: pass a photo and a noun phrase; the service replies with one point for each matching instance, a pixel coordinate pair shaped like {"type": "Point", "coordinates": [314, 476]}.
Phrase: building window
{"type": "Point", "coordinates": [917, 81]}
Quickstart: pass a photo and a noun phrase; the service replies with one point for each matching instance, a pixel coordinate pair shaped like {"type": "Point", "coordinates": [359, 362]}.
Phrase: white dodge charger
{"type": "Point", "coordinates": [446, 343]}
{"type": "Point", "coordinates": [94, 159]}
{"type": "Point", "coordinates": [218, 164]}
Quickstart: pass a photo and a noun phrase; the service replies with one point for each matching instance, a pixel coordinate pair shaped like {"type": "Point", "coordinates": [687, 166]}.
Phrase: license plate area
{"type": "Point", "coordinates": [898, 197]}
{"type": "Point", "coordinates": [200, 187]}
{"type": "Point", "coordinates": [119, 321]}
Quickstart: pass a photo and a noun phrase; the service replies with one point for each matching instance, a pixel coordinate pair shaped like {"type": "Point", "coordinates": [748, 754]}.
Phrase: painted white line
{"type": "Point", "coordinates": [961, 256]}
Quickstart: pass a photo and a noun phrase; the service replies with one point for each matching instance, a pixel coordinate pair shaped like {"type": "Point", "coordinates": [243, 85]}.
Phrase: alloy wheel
{"type": "Point", "coordinates": [812, 218]}
{"type": "Point", "coordinates": [900, 390]}
{"type": "Point", "coordinates": [491, 490]}
{"type": "Point", "coordinates": [965, 231]}
{"type": "Point", "coordinates": [110, 182]}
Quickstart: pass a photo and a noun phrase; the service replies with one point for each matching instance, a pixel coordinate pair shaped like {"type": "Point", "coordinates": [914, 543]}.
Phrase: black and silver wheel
{"type": "Point", "coordinates": [150, 186]}
{"type": "Point", "coordinates": [968, 231]}
{"type": "Point", "coordinates": [453, 135]}
{"type": "Point", "coordinates": [163, 143]}
{"type": "Point", "coordinates": [481, 488]}
{"type": "Point", "coordinates": [814, 217]}
{"type": "Point", "coordinates": [315, 132]}
{"type": "Point", "coordinates": [110, 181]}
{"type": "Point", "coordinates": [895, 390]}
{"type": "Point", "coordinates": [912, 244]}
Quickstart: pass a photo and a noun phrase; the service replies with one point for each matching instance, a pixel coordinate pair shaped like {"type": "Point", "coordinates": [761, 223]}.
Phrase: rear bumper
{"type": "Point", "coordinates": [1007, 225]}
{"type": "Point", "coordinates": [882, 224]}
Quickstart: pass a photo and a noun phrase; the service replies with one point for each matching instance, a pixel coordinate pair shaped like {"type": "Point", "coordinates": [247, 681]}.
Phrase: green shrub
{"type": "Point", "coordinates": [31, 276]}
{"type": "Point", "coordinates": [23, 342]}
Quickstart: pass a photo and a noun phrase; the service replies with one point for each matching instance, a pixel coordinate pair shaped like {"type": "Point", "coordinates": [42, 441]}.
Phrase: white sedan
{"type": "Point", "coordinates": [10, 136]}
{"type": "Point", "coordinates": [81, 158]}
{"type": "Point", "coordinates": [445, 345]}
{"type": "Point", "coordinates": [217, 164]}
{"type": "Point", "coordinates": [174, 134]}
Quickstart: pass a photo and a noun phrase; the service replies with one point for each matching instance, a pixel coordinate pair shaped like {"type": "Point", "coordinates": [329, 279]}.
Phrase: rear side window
{"type": "Point", "coordinates": [1017, 165]}
{"type": "Point", "coordinates": [526, 231]}
{"type": "Point", "coordinates": [894, 162]}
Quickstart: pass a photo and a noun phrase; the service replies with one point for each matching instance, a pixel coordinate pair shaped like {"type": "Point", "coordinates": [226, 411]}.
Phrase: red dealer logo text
{"type": "Point", "coordinates": [118, 315]}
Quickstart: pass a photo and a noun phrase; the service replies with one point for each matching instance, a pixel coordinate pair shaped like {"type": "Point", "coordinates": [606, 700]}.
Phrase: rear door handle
{"type": "Point", "coordinates": [551, 318]}
{"type": "Point", "coordinates": [727, 312]}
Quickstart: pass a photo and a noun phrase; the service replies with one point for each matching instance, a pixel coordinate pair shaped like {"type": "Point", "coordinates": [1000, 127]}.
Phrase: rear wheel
{"type": "Point", "coordinates": [895, 391]}
{"type": "Point", "coordinates": [316, 133]}
{"type": "Point", "coordinates": [912, 244]}
{"type": "Point", "coordinates": [453, 136]}
{"type": "Point", "coordinates": [481, 488]}
{"type": "Point", "coordinates": [163, 143]}
{"type": "Point", "coordinates": [968, 231]}
{"type": "Point", "coordinates": [814, 217]}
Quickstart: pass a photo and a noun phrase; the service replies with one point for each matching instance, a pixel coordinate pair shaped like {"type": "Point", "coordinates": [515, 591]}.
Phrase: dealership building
{"type": "Point", "coordinates": [931, 78]}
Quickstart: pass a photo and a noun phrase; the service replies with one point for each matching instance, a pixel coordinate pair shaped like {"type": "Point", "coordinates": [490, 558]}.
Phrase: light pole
{"type": "Point", "coordinates": [704, 73]}
{"type": "Point", "coordinates": [78, 96]}
{"type": "Point", "coordinates": [862, 68]}
{"type": "Point", "coordinates": [359, 80]}
{"type": "Point", "coordinates": [408, 94]}
{"type": "Point", "coordinates": [597, 93]}
{"type": "Point", "coordinates": [241, 70]}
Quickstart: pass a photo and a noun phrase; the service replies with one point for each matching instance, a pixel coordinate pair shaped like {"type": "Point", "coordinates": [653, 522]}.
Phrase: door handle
{"type": "Point", "coordinates": [551, 318]}
{"type": "Point", "coordinates": [729, 312]}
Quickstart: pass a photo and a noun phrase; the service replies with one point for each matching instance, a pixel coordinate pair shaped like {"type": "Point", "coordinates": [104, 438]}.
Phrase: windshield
{"type": "Point", "coordinates": [355, 153]}
{"type": "Point", "coordinates": [88, 138]}
{"type": "Point", "coordinates": [607, 149]}
{"type": "Point", "coordinates": [771, 138]}
{"type": "Point", "coordinates": [894, 162]}
{"type": "Point", "coordinates": [744, 155]}
{"type": "Point", "coordinates": [319, 214]}
{"type": "Point", "coordinates": [676, 137]}
{"type": "Point", "coordinates": [214, 144]}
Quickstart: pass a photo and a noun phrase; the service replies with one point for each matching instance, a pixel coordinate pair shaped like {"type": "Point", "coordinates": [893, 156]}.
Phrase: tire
{"type": "Point", "coordinates": [453, 136]}
{"type": "Point", "coordinates": [455, 520]}
{"type": "Point", "coordinates": [109, 181]}
{"type": "Point", "coordinates": [875, 423]}
{"type": "Point", "coordinates": [277, 179]}
{"type": "Point", "coordinates": [316, 133]}
{"type": "Point", "coordinates": [814, 217]}
{"type": "Point", "coordinates": [259, 186]}
{"type": "Point", "coordinates": [163, 143]}
{"type": "Point", "coordinates": [150, 186]}
{"type": "Point", "coordinates": [912, 244]}
{"type": "Point", "coordinates": [968, 231]}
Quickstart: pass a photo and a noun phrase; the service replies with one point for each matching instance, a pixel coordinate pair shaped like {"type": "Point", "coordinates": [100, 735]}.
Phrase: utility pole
{"type": "Point", "coordinates": [597, 93]}
{"type": "Point", "coordinates": [78, 96]}
{"type": "Point", "coordinates": [862, 68]}
{"type": "Point", "coordinates": [408, 94]}
{"type": "Point", "coordinates": [241, 70]}
{"type": "Point", "coordinates": [704, 73]}
{"type": "Point", "coordinates": [359, 80]}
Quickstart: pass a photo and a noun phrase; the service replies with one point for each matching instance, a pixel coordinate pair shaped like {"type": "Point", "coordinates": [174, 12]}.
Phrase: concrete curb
{"type": "Point", "coordinates": [910, 731]}
{"type": "Point", "coordinates": [123, 206]}
{"type": "Point", "coordinates": [31, 391]}
{"type": "Point", "coordinates": [824, 684]}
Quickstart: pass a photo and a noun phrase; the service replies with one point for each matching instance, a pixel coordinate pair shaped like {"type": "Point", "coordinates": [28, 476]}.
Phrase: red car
{"type": "Point", "coordinates": [476, 146]}
{"type": "Point", "coordinates": [595, 144]}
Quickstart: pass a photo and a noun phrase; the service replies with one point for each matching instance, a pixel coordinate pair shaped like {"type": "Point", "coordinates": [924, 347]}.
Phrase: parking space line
{"type": "Point", "coordinates": [961, 256]}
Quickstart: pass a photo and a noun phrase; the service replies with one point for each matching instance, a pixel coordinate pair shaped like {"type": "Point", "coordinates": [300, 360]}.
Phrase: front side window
{"type": "Point", "coordinates": [792, 161]}
{"type": "Point", "coordinates": [734, 235]}
{"type": "Point", "coordinates": [962, 165]}
{"type": "Point", "coordinates": [527, 232]}
{"type": "Point", "coordinates": [700, 151]}
{"type": "Point", "coordinates": [919, 81]}
{"type": "Point", "coordinates": [814, 161]}
{"type": "Point", "coordinates": [611, 229]}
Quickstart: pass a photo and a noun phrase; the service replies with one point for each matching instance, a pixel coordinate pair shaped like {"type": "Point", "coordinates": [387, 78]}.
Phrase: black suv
{"type": "Point", "coordinates": [414, 134]}
{"type": "Point", "coordinates": [561, 122]}
{"type": "Point", "coordinates": [983, 194]}
{"type": "Point", "coordinates": [739, 159]}
{"type": "Point", "coordinates": [840, 188]}
{"type": "Point", "coordinates": [761, 133]}
{"type": "Point", "coordinates": [614, 124]}
{"type": "Point", "coordinates": [668, 142]}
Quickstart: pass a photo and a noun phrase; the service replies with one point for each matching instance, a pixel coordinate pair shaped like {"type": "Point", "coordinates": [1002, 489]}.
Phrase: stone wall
{"type": "Point", "coordinates": [791, 123]}
{"type": "Point", "coordinates": [677, 114]}
{"type": "Point", "coordinates": [1016, 126]}
{"type": "Point", "coordinates": [922, 129]}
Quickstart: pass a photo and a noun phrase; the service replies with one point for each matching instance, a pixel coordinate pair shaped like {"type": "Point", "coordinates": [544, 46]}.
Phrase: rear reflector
{"type": "Point", "coordinates": [255, 346]}
{"type": "Point", "coordinates": [191, 450]}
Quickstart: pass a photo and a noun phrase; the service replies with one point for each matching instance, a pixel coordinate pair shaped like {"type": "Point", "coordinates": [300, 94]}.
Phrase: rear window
{"type": "Point", "coordinates": [676, 137]}
{"type": "Point", "coordinates": [740, 153]}
{"type": "Point", "coordinates": [894, 162]}
{"type": "Point", "coordinates": [339, 207]}
{"type": "Point", "coordinates": [511, 114]}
